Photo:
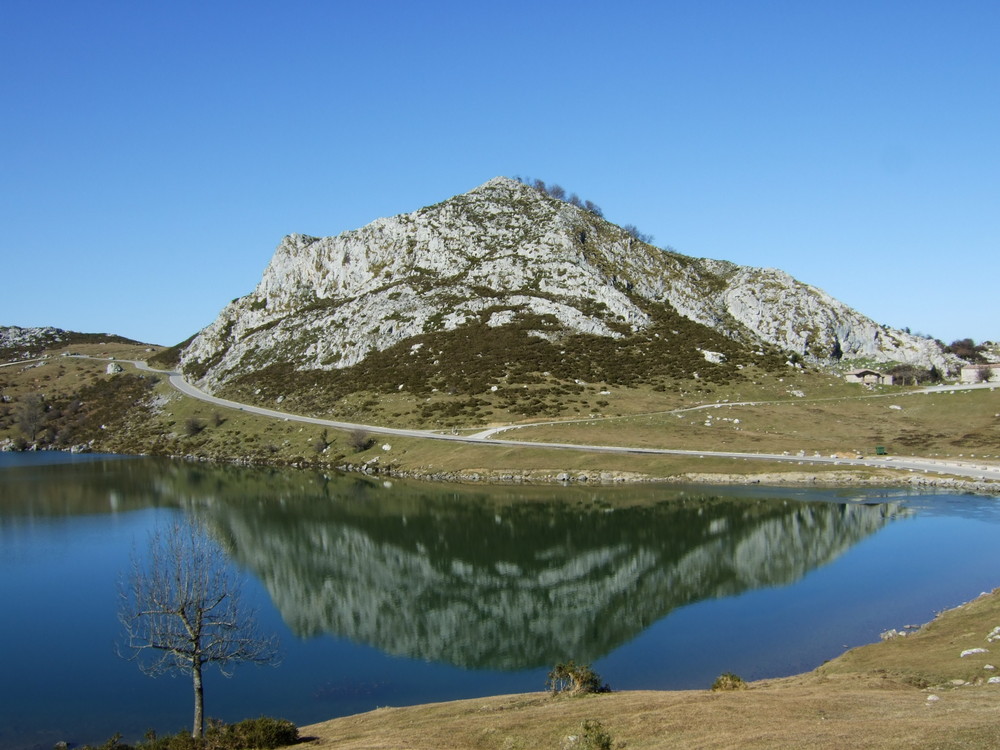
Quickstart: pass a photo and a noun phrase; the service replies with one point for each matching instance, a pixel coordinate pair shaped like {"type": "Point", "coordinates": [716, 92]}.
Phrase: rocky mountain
{"type": "Point", "coordinates": [23, 343]}
{"type": "Point", "coordinates": [549, 285]}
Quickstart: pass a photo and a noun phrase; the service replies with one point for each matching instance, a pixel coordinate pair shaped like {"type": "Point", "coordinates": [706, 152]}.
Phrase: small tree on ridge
{"type": "Point", "coordinates": [30, 414]}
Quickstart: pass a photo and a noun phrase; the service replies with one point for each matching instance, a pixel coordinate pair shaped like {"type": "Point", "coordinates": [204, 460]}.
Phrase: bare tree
{"type": "Point", "coordinates": [360, 440]}
{"type": "Point", "coordinates": [30, 415]}
{"type": "Point", "coordinates": [181, 609]}
{"type": "Point", "coordinates": [633, 230]}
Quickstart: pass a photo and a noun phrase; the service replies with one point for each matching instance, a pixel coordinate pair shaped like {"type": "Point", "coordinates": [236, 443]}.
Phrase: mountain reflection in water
{"type": "Point", "coordinates": [504, 578]}
{"type": "Point", "coordinates": [485, 587]}
{"type": "Point", "coordinates": [496, 579]}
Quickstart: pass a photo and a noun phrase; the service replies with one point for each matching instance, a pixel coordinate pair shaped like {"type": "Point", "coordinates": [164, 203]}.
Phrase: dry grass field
{"type": "Point", "coordinates": [947, 423]}
{"type": "Point", "coordinates": [907, 692]}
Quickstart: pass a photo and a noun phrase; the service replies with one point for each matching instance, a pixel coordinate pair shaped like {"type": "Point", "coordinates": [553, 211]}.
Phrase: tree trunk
{"type": "Point", "coordinates": [198, 729]}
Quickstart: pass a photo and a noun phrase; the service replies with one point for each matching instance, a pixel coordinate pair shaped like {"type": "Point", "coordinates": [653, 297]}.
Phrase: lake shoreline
{"type": "Point", "coordinates": [830, 479]}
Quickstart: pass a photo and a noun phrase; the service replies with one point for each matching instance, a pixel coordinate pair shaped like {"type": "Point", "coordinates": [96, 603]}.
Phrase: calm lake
{"type": "Point", "coordinates": [392, 593]}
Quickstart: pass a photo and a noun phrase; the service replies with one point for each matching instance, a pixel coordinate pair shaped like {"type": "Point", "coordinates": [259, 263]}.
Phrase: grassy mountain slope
{"type": "Point", "coordinates": [506, 291]}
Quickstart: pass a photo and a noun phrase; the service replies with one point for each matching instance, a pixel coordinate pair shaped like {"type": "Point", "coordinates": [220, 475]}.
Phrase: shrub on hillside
{"type": "Point", "coordinates": [593, 736]}
{"type": "Point", "coordinates": [967, 349]}
{"type": "Point", "coordinates": [913, 375]}
{"type": "Point", "coordinates": [728, 681]}
{"type": "Point", "coordinates": [361, 441]}
{"type": "Point", "coordinates": [575, 679]}
{"type": "Point", "coordinates": [192, 426]}
{"type": "Point", "coordinates": [262, 733]}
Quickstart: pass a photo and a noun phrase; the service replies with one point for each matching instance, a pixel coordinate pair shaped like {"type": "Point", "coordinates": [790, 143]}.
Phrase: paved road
{"type": "Point", "coordinates": [966, 469]}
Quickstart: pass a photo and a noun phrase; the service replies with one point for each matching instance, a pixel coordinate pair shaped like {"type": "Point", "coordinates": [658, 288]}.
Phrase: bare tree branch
{"type": "Point", "coordinates": [181, 609]}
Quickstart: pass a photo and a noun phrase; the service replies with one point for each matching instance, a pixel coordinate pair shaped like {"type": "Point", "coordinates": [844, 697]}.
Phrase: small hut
{"type": "Point", "coordinates": [868, 377]}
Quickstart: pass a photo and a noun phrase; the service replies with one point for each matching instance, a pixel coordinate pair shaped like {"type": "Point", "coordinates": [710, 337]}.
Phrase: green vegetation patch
{"type": "Point", "coordinates": [526, 369]}
{"type": "Point", "coordinates": [262, 733]}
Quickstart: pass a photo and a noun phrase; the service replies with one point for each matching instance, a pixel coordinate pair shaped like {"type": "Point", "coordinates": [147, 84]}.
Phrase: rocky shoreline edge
{"type": "Point", "coordinates": [829, 479]}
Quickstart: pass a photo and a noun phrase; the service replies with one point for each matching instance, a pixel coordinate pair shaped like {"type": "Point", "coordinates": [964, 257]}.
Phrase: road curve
{"type": "Point", "coordinates": [965, 469]}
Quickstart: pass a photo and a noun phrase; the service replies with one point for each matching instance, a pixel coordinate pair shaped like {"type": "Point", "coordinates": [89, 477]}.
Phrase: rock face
{"type": "Point", "coordinates": [22, 342]}
{"type": "Point", "coordinates": [506, 254]}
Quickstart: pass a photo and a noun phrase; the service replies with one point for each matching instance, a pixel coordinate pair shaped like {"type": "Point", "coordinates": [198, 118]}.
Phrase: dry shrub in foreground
{"type": "Point", "coordinates": [593, 736]}
{"type": "Point", "coordinates": [575, 679]}
{"type": "Point", "coordinates": [728, 681]}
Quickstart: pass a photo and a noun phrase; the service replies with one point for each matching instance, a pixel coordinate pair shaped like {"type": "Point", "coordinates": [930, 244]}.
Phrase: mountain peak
{"type": "Point", "coordinates": [501, 182]}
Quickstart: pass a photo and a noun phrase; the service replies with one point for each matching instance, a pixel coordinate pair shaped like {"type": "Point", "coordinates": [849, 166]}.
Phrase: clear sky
{"type": "Point", "coordinates": [153, 154]}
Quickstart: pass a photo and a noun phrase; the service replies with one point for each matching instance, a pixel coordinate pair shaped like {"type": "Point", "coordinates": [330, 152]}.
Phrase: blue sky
{"type": "Point", "coordinates": [153, 154]}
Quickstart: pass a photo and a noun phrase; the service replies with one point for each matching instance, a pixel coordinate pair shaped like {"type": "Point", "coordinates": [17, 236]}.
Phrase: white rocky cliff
{"type": "Point", "coordinates": [504, 252]}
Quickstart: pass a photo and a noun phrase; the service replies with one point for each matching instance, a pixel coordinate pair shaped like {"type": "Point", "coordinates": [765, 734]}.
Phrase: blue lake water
{"type": "Point", "coordinates": [393, 593]}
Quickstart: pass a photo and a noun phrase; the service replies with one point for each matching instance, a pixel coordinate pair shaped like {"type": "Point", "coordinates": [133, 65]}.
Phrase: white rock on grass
{"type": "Point", "coordinates": [971, 651]}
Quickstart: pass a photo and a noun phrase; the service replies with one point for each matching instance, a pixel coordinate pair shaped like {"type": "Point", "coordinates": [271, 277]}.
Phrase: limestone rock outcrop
{"type": "Point", "coordinates": [505, 253]}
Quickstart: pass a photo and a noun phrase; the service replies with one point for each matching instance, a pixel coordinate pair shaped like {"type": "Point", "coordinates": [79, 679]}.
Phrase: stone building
{"type": "Point", "coordinates": [988, 373]}
{"type": "Point", "coordinates": [868, 377]}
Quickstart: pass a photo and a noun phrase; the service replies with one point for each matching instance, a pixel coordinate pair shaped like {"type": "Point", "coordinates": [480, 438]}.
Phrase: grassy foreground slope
{"type": "Point", "coordinates": [908, 692]}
